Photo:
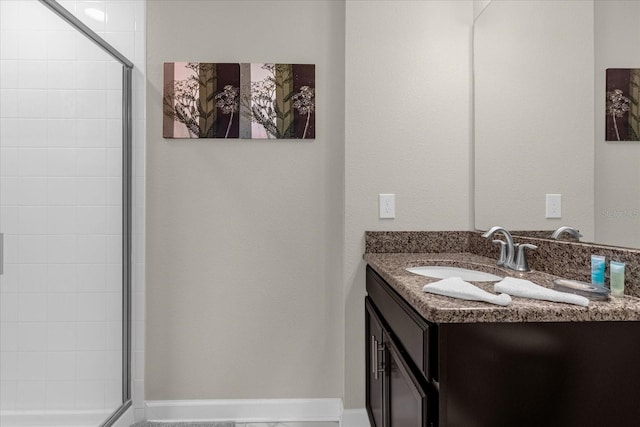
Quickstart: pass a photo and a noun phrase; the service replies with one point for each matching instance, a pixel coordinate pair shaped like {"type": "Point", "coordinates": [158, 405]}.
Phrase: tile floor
{"type": "Point", "coordinates": [292, 424]}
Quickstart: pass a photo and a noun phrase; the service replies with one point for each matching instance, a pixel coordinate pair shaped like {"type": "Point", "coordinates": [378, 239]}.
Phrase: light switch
{"type": "Point", "coordinates": [554, 206]}
{"type": "Point", "coordinates": [387, 206]}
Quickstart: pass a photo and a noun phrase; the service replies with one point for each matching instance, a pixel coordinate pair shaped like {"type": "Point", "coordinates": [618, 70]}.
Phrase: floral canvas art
{"type": "Point", "coordinates": [248, 101]}
{"type": "Point", "coordinates": [623, 104]}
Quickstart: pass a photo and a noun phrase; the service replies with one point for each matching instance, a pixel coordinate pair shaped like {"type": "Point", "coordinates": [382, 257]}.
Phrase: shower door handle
{"type": "Point", "coordinates": [1, 253]}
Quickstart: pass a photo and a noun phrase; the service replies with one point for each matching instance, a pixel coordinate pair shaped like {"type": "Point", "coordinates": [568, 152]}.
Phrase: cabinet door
{"type": "Point", "coordinates": [407, 398]}
{"type": "Point", "coordinates": [375, 372]}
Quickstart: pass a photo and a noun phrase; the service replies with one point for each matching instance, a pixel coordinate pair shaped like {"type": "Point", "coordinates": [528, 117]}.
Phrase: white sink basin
{"type": "Point", "coordinates": [444, 272]}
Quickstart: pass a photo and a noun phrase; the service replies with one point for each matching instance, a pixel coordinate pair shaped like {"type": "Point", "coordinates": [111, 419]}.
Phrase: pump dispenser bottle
{"type": "Point", "coordinates": [616, 269]}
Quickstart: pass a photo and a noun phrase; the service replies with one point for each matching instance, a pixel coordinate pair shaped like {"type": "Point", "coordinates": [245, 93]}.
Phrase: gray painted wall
{"type": "Point", "coordinates": [244, 238]}
{"type": "Point", "coordinates": [248, 296]}
{"type": "Point", "coordinates": [408, 126]}
{"type": "Point", "coordinates": [255, 274]}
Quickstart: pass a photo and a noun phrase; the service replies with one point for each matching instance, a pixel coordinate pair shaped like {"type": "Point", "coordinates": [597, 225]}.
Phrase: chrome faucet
{"type": "Point", "coordinates": [566, 229]}
{"type": "Point", "coordinates": [508, 249]}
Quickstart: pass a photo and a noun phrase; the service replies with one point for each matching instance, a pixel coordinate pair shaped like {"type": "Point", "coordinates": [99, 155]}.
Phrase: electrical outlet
{"type": "Point", "coordinates": [387, 206]}
{"type": "Point", "coordinates": [554, 206]}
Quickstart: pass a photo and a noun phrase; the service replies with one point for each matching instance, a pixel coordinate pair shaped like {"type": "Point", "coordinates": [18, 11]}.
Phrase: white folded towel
{"type": "Point", "coordinates": [527, 289]}
{"type": "Point", "coordinates": [457, 288]}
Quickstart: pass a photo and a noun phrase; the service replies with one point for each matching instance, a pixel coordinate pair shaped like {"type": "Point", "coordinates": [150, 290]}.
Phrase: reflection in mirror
{"type": "Point", "coordinates": [539, 118]}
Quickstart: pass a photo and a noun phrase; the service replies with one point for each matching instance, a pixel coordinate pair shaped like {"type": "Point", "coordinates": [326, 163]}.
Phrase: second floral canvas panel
{"type": "Point", "coordinates": [623, 104]}
{"type": "Point", "coordinates": [249, 101]}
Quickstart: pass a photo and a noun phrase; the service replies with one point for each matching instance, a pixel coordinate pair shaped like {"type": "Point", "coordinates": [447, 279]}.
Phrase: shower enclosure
{"type": "Point", "coordinates": [65, 218]}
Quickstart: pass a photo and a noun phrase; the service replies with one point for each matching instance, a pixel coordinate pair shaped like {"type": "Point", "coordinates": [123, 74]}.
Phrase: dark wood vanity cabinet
{"type": "Point", "coordinates": [395, 395]}
{"type": "Point", "coordinates": [375, 367]}
{"type": "Point", "coordinates": [398, 393]}
{"type": "Point", "coordinates": [551, 374]}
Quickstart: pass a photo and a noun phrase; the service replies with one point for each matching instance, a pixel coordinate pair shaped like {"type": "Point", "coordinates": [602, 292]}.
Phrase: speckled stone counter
{"type": "Point", "coordinates": [570, 260]}
{"type": "Point", "coordinates": [440, 309]}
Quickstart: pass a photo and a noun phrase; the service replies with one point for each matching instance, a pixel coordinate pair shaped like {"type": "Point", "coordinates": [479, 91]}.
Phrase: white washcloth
{"type": "Point", "coordinates": [457, 288]}
{"type": "Point", "coordinates": [527, 289]}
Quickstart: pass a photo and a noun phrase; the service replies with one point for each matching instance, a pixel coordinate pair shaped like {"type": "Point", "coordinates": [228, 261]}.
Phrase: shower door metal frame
{"type": "Point", "coordinates": [127, 151]}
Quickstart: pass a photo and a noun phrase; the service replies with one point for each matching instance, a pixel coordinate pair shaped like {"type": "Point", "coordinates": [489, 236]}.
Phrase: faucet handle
{"type": "Point", "coordinates": [521, 259]}
{"type": "Point", "coordinates": [503, 251]}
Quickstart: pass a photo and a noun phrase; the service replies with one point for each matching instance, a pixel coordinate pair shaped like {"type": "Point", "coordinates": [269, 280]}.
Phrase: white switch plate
{"type": "Point", "coordinates": [387, 206]}
{"type": "Point", "coordinates": [554, 206]}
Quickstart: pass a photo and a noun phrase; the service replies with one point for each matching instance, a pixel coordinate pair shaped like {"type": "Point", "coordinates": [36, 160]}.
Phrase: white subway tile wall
{"type": "Point", "coordinates": [60, 206]}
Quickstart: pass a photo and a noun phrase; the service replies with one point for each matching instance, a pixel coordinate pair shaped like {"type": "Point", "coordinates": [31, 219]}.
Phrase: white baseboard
{"type": "Point", "coordinates": [245, 410]}
{"type": "Point", "coordinates": [355, 418]}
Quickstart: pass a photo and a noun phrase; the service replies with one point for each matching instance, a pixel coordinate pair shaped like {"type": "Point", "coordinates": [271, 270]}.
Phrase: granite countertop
{"type": "Point", "coordinates": [442, 309]}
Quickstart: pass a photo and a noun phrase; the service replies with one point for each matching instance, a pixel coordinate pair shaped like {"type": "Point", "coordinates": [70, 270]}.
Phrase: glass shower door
{"type": "Point", "coordinates": [61, 215]}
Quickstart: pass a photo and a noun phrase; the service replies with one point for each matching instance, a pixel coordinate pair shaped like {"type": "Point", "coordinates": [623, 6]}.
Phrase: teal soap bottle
{"type": "Point", "coordinates": [597, 269]}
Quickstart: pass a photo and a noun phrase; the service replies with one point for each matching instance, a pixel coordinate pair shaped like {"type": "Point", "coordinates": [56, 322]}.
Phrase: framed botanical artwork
{"type": "Point", "coordinates": [239, 100]}
{"type": "Point", "coordinates": [623, 104]}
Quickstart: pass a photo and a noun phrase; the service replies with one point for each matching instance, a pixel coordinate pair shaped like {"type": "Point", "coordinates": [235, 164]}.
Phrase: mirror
{"type": "Point", "coordinates": [539, 103]}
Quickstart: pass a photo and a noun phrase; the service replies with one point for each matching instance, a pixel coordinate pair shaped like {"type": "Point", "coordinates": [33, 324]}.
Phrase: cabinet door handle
{"type": "Point", "coordinates": [375, 348]}
{"type": "Point", "coordinates": [374, 357]}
